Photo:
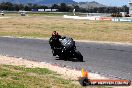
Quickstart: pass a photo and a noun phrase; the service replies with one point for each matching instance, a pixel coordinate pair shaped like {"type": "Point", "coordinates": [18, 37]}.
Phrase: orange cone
{"type": "Point", "coordinates": [85, 74]}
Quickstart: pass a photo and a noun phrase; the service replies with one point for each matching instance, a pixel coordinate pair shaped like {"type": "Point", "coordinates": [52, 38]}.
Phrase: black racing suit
{"type": "Point", "coordinates": [55, 43]}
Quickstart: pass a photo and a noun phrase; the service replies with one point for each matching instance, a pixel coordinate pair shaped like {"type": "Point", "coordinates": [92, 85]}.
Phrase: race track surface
{"type": "Point", "coordinates": [107, 59]}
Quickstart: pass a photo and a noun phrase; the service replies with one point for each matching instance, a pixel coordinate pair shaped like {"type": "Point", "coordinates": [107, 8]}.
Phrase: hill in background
{"type": "Point", "coordinates": [51, 2]}
{"type": "Point", "coordinates": [90, 4]}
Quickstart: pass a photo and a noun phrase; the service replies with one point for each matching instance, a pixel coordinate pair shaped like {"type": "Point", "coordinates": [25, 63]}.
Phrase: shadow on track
{"type": "Point", "coordinates": [71, 59]}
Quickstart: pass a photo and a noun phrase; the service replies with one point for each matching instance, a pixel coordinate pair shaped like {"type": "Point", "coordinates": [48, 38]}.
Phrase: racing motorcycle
{"type": "Point", "coordinates": [65, 48]}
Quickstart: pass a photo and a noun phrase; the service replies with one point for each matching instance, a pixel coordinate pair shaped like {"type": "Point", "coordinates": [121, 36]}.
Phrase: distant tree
{"type": "Point", "coordinates": [125, 9]}
{"type": "Point", "coordinates": [30, 5]}
{"type": "Point", "coordinates": [44, 7]}
{"type": "Point", "coordinates": [35, 6]}
{"type": "Point", "coordinates": [76, 7]}
{"type": "Point", "coordinates": [63, 7]}
{"type": "Point", "coordinates": [16, 7]}
{"type": "Point", "coordinates": [83, 10]}
{"type": "Point", "coordinates": [6, 6]}
{"type": "Point", "coordinates": [21, 7]}
{"type": "Point", "coordinates": [55, 6]}
{"type": "Point", "coordinates": [27, 8]}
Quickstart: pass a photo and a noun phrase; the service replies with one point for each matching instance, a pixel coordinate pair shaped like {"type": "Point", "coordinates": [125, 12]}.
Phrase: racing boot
{"type": "Point", "coordinates": [53, 52]}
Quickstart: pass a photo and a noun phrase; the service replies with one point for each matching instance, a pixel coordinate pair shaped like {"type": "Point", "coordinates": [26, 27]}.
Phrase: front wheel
{"type": "Point", "coordinates": [79, 56]}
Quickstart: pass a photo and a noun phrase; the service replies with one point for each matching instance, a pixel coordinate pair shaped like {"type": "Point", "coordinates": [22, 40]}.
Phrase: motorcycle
{"type": "Point", "coordinates": [65, 48]}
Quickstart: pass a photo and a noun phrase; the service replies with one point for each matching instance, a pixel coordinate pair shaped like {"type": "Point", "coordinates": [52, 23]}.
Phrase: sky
{"type": "Point", "coordinates": [109, 2]}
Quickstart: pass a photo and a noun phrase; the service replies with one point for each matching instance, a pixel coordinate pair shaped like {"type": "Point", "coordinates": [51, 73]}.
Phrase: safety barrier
{"type": "Point", "coordinates": [124, 19]}
{"type": "Point", "coordinates": [78, 17]}
{"type": "Point", "coordinates": [92, 18]}
{"type": "Point", "coordinates": [104, 18]}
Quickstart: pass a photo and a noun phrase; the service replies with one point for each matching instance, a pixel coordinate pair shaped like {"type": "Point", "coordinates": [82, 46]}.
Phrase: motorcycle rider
{"type": "Point", "coordinates": [54, 42]}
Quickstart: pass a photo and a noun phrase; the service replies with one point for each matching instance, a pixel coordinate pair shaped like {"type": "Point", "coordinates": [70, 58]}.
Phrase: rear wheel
{"type": "Point", "coordinates": [79, 56]}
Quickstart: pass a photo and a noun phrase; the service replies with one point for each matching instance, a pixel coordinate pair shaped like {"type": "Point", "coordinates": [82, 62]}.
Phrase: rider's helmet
{"type": "Point", "coordinates": [55, 34]}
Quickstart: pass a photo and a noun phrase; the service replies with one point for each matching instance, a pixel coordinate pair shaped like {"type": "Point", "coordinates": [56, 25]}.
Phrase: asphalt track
{"type": "Point", "coordinates": [106, 59]}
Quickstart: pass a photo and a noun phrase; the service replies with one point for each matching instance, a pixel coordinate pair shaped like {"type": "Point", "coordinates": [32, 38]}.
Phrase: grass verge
{"type": "Point", "coordinates": [21, 77]}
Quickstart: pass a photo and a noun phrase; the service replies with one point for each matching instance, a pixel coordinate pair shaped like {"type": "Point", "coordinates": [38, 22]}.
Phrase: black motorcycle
{"type": "Point", "coordinates": [65, 48]}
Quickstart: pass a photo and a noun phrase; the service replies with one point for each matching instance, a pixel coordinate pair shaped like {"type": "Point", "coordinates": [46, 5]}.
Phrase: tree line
{"type": "Point", "coordinates": [62, 8]}
{"type": "Point", "coordinates": [109, 9]}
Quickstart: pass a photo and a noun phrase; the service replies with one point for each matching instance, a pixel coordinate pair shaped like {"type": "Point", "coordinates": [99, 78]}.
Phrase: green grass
{"type": "Point", "coordinates": [21, 77]}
